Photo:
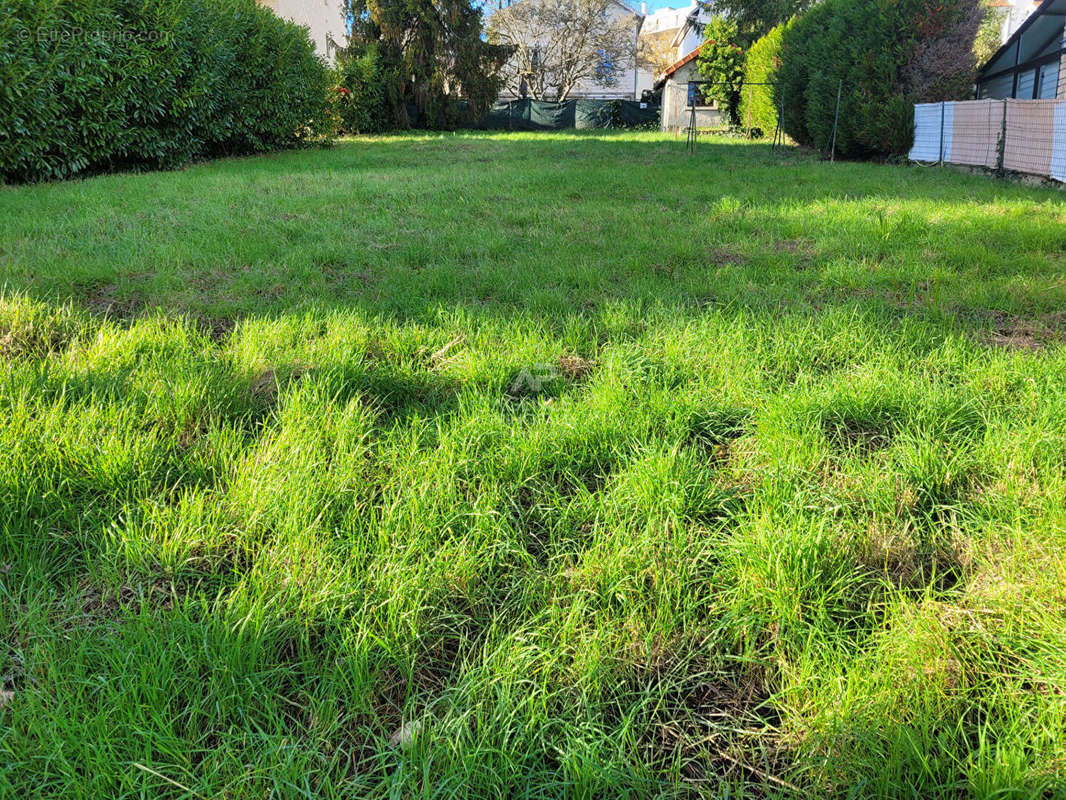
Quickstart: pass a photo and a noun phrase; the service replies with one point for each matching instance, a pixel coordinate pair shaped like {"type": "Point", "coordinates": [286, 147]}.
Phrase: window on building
{"type": "Point", "coordinates": [1048, 85]}
{"type": "Point", "coordinates": [605, 68]}
{"type": "Point", "coordinates": [1026, 83]}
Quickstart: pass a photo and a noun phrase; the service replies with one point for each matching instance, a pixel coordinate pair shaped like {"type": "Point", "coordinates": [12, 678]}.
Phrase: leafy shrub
{"type": "Point", "coordinates": [362, 81]}
{"type": "Point", "coordinates": [942, 64]}
{"type": "Point", "coordinates": [989, 32]}
{"type": "Point", "coordinates": [880, 52]}
{"type": "Point", "coordinates": [371, 95]}
{"type": "Point", "coordinates": [721, 61]}
{"type": "Point", "coordinates": [93, 85]}
{"type": "Point", "coordinates": [757, 106]}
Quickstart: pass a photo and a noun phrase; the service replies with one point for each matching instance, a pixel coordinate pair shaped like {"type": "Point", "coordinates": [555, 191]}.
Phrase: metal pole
{"type": "Point", "coordinates": [692, 129]}
{"type": "Point", "coordinates": [778, 132]}
{"type": "Point", "coordinates": [940, 161]}
{"type": "Point", "coordinates": [692, 120]}
{"type": "Point", "coordinates": [1002, 147]}
{"type": "Point", "coordinates": [836, 119]}
{"type": "Point", "coordinates": [749, 112]}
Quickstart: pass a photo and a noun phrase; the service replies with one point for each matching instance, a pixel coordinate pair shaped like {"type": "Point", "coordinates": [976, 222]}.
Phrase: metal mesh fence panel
{"type": "Point", "coordinates": [1028, 136]}
{"type": "Point", "coordinates": [1058, 145]}
{"type": "Point", "coordinates": [538, 115]}
{"type": "Point", "coordinates": [1017, 135]}
{"type": "Point", "coordinates": [928, 130]}
{"type": "Point", "coordinates": [976, 127]}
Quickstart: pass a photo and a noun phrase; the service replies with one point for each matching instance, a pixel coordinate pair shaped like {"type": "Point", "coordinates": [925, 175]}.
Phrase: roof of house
{"type": "Point", "coordinates": [1039, 32]}
{"type": "Point", "coordinates": [677, 65]}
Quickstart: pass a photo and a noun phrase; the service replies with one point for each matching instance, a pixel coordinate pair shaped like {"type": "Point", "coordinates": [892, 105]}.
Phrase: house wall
{"type": "Point", "coordinates": [658, 34]}
{"type": "Point", "coordinates": [684, 27]}
{"type": "Point", "coordinates": [628, 86]}
{"type": "Point", "coordinates": [689, 42]}
{"type": "Point", "coordinates": [645, 81]}
{"type": "Point", "coordinates": [666, 19]}
{"type": "Point", "coordinates": [677, 114]}
{"type": "Point", "coordinates": [323, 18]}
{"type": "Point", "coordinates": [674, 21]}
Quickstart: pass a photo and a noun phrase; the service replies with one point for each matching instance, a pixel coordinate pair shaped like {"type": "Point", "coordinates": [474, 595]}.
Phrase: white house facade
{"type": "Point", "coordinates": [685, 23]}
{"type": "Point", "coordinates": [625, 85]}
{"type": "Point", "coordinates": [324, 19]}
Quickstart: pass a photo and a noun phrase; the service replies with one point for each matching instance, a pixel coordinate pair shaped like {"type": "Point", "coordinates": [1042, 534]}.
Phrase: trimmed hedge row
{"type": "Point", "coordinates": [758, 108]}
{"type": "Point", "coordinates": [96, 85]}
{"type": "Point", "coordinates": [875, 50]}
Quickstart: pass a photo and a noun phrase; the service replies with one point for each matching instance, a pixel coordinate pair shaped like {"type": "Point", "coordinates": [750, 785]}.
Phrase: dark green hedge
{"type": "Point", "coordinates": [876, 50]}
{"type": "Point", "coordinates": [94, 85]}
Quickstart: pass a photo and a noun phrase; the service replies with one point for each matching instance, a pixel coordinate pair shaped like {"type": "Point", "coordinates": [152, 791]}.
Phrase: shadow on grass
{"type": "Point", "coordinates": [589, 243]}
{"type": "Point", "coordinates": [535, 234]}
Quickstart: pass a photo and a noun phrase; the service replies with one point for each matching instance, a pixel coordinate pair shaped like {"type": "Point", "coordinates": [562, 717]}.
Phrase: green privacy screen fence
{"type": "Point", "coordinates": [538, 115]}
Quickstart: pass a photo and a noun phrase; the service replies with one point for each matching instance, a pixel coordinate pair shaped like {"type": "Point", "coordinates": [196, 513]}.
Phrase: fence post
{"type": "Point", "coordinates": [836, 119]}
{"type": "Point", "coordinates": [778, 130]}
{"type": "Point", "coordinates": [749, 110]}
{"type": "Point", "coordinates": [692, 130]}
{"type": "Point", "coordinates": [1002, 149]}
{"type": "Point", "coordinates": [940, 161]}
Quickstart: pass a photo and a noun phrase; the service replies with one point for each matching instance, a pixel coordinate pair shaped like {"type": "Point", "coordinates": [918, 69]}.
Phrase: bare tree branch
{"type": "Point", "coordinates": [558, 44]}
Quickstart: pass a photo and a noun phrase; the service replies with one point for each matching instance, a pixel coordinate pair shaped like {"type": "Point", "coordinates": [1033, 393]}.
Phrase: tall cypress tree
{"type": "Point", "coordinates": [755, 18]}
{"type": "Point", "coordinates": [431, 52]}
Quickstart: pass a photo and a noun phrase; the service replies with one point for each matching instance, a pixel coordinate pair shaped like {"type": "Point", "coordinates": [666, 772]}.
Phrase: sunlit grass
{"type": "Point", "coordinates": [533, 465]}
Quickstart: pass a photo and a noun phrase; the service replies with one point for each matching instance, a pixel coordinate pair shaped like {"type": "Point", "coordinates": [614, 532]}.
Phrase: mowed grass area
{"type": "Point", "coordinates": [533, 466]}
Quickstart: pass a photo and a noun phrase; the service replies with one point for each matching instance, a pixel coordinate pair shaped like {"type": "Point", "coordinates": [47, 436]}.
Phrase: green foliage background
{"type": "Point", "coordinates": [427, 55]}
{"type": "Point", "coordinates": [863, 46]}
{"type": "Point", "coordinates": [756, 18]}
{"type": "Point", "coordinates": [721, 60]}
{"type": "Point", "coordinates": [758, 108]}
{"type": "Point", "coordinates": [988, 39]}
{"type": "Point", "coordinates": [366, 80]}
{"type": "Point", "coordinates": [96, 85]}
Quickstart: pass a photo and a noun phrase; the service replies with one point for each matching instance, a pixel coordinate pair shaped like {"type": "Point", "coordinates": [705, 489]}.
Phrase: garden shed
{"type": "Point", "coordinates": [680, 88]}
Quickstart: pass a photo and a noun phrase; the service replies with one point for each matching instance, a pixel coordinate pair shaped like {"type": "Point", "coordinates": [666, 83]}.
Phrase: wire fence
{"type": "Point", "coordinates": [685, 110]}
{"type": "Point", "coordinates": [1026, 136]}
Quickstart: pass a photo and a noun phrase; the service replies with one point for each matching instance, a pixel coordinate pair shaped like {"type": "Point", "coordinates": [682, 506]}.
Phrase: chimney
{"type": "Point", "coordinates": [644, 9]}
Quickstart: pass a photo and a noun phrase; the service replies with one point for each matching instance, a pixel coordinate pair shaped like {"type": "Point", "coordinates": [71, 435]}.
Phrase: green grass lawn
{"type": "Point", "coordinates": [533, 466]}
